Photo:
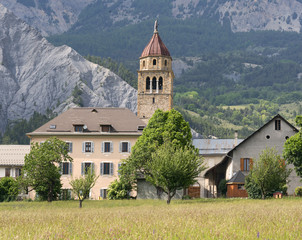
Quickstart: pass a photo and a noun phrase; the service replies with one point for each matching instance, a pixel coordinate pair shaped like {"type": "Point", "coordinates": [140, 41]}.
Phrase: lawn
{"type": "Point", "coordinates": [147, 219]}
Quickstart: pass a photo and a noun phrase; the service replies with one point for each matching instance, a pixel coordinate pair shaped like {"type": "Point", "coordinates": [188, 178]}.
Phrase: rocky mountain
{"type": "Point", "coordinates": [36, 76]}
{"type": "Point", "coordinates": [48, 16]}
{"type": "Point", "coordinates": [57, 16]}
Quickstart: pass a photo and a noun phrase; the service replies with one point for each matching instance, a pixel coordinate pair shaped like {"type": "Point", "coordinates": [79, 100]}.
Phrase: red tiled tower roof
{"type": "Point", "coordinates": [155, 47]}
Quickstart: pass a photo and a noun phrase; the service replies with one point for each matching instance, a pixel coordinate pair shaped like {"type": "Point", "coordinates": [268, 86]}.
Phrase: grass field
{"type": "Point", "coordinates": [147, 219]}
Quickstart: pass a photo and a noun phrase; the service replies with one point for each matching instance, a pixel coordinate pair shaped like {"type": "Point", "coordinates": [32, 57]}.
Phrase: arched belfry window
{"type": "Point", "coordinates": [144, 63]}
{"type": "Point", "coordinates": [154, 62]}
{"type": "Point", "coordinates": [166, 63]}
{"type": "Point", "coordinates": [154, 83]}
{"type": "Point", "coordinates": [147, 83]}
{"type": "Point", "coordinates": [160, 83]}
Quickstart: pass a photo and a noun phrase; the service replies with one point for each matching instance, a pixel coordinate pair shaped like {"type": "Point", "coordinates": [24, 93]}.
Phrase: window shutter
{"type": "Point", "coordinates": [82, 168]}
{"type": "Point", "coordinates": [101, 168]}
{"type": "Point", "coordinates": [118, 168]}
{"type": "Point", "coordinates": [111, 146]}
{"type": "Point", "coordinates": [129, 147]}
{"type": "Point", "coordinates": [70, 168]}
{"type": "Point", "coordinates": [71, 147]}
{"type": "Point", "coordinates": [251, 163]}
{"type": "Point", "coordinates": [92, 167]}
{"type": "Point", "coordinates": [241, 164]}
{"type": "Point", "coordinates": [111, 169]}
{"type": "Point", "coordinates": [121, 145]}
{"type": "Point", "coordinates": [101, 193]}
{"type": "Point", "coordinates": [92, 146]}
{"type": "Point", "coordinates": [83, 147]}
{"type": "Point", "coordinates": [102, 147]}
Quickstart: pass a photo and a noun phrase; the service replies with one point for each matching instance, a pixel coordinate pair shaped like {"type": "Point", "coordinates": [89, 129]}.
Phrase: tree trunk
{"type": "Point", "coordinates": [81, 203]}
{"type": "Point", "coordinates": [169, 198]}
{"type": "Point", "coordinates": [159, 192]}
{"type": "Point", "coordinates": [49, 198]}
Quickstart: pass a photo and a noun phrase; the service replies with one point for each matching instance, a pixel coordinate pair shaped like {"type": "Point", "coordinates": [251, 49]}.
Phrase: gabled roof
{"type": "Point", "coordinates": [215, 146]}
{"type": "Point", "coordinates": [155, 47]}
{"type": "Point", "coordinates": [122, 120]}
{"type": "Point", "coordinates": [273, 119]}
{"type": "Point", "coordinates": [237, 178]}
{"type": "Point", "coordinates": [13, 155]}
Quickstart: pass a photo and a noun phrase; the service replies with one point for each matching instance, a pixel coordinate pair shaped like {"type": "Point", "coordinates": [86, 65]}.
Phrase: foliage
{"type": "Point", "coordinates": [293, 149]}
{"type": "Point", "coordinates": [118, 68]}
{"type": "Point", "coordinates": [173, 168]}
{"type": "Point", "coordinates": [118, 189]}
{"type": "Point", "coordinates": [269, 173]}
{"type": "Point", "coordinates": [253, 189]}
{"type": "Point", "coordinates": [15, 132]}
{"type": "Point", "coordinates": [76, 93]}
{"type": "Point", "coordinates": [222, 187]}
{"type": "Point", "coordinates": [9, 189]}
{"type": "Point", "coordinates": [41, 168]}
{"type": "Point", "coordinates": [298, 191]}
{"type": "Point", "coordinates": [82, 185]}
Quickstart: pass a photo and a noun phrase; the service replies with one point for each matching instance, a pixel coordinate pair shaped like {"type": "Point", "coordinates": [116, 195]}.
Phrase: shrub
{"type": "Point", "coordinates": [9, 189]}
{"type": "Point", "coordinates": [298, 191]}
{"type": "Point", "coordinates": [118, 190]}
{"type": "Point", "coordinates": [222, 187]}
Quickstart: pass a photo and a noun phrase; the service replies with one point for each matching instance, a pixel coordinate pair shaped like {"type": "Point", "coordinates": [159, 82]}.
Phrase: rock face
{"type": "Point", "coordinates": [49, 16]}
{"type": "Point", "coordinates": [36, 76]}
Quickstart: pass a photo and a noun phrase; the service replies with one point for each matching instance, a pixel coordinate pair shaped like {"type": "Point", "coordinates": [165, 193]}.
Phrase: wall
{"type": "Point", "coordinates": [233, 191]}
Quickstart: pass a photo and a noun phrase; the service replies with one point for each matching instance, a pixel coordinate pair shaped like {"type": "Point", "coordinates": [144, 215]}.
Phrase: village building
{"type": "Point", "coordinates": [12, 159]}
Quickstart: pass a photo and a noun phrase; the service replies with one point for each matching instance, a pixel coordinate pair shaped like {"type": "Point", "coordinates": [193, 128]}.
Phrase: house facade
{"type": "Point", "coordinates": [98, 139]}
{"type": "Point", "coordinates": [272, 135]}
{"type": "Point", "coordinates": [12, 159]}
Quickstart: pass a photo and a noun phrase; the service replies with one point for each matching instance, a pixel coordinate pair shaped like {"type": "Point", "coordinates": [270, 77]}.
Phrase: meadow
{"type": "Point", "coordinates": [153, 219]}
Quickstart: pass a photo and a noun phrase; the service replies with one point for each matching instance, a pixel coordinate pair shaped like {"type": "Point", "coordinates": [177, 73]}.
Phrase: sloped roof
{"type": "Point", "coordinates": [122, 120]}
{"type": "Point", "coordinates": [13, 155]}
{"type": "Point", "coordinates": [237, 178]}
{"type": "Point", "coordinates": [215, 146]}
{"type": "Point", "coordinates": [155, 47]}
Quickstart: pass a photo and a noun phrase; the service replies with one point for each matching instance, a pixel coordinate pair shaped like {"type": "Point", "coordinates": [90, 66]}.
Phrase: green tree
{"type": "Point", "coordinates": [41, 169]}
{"type": "Point", "coordinates": [173, 168]}
{"type": "Point", "coordinates": [269, 173]}
{"type": "Point", "coordinates": [119, 189]}
{"type": "Point", "coordinates": [162, 127]}
{"type": "Point", "coordinates": [293, 149]}
{"type": "Point", "coordinates": [82, 185]}
{"type": "Point", "coordinates": [9, 189]}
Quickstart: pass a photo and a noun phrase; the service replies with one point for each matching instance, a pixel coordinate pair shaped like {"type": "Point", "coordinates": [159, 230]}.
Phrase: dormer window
{"type": "Point", "coordinates": [154, 62]}
{"type": "Point", "coordinates": [52, 127]}
{"type": "Point", "coordinates": [78, 128]}
{"type": "Point", "coordinates": [140, 128]}
{"type": "Point", "coordinates": [105, 128]}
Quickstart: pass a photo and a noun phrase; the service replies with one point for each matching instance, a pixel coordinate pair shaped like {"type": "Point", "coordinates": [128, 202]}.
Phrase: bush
{"type": "Point", "coordinates": [118, 190]}
{"type": "Point", "coordinates": [222, 187]}
{"type": "Point", "coordinates": [9, 189]}
{"type": "Point", "coordinates": [252, 188]}
{"type": "Point", "coordinates": [298, 191]}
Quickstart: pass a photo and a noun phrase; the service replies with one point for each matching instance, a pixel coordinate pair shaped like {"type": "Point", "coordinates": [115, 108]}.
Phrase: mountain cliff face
{"type": "Point", "coordinates": [36, 76]}
{"type": "Point", "coordinates": [57, 16]}
{"type": "Point", "coordinates": [48, 16]}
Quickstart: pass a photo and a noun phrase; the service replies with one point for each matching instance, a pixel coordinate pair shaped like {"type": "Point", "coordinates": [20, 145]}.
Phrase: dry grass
{"type": "Point", "coordinates": [140, 219]}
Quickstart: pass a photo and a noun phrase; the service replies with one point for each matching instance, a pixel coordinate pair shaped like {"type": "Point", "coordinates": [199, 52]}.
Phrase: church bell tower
{"type": "Point", "coordinates": [155, 78]}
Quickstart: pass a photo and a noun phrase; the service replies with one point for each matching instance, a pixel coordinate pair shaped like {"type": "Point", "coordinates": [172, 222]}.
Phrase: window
{"type": "Point", "coordinates": [246, 164]}
{"type": "Point", "coordinates": [69, 146]}
{"type": "Point", "coordinates": [107, 147]}
{"type": "Point", "coordinates": [66, 168]}
{"type": "Point", "coordinates": [78, 128]}
{"type": "Point", "coordinates": [106, 168]}
{"type": "Point", "coordinates": [18, 172]}
{"type": "Point", "coordinates": [125, 147]}
{"type": "Point", "coordinates": [85, 166]}
{"type": "Point", "coordinates": [160, 83]}
{"type": "Point", "coordinates": [105, 128]}
{"type": "Point", "coordinates": [118, 168]}
{"type": "Point", "coordinates": [7, 172]}
{"type": "Point", "coordinates": [144, 63]}
{"type": "Point", "coordinates": [277, 124]}
{"type": "Point", "coordinates": [166, 62]}
{"type": "Point", "coordinates": [88, 147]}
{"type": "Point", "coordinates": [154, 62]}
{"type": "Point", "coordinates": [65, 194]}
{"type": "Point", "coordinates": [241, 186]}
{"type": "Point", "coordinates": [103, 193]}
{"type": "Point", "coordinates": [153, 100]}
{"type": "Point", "coordinates": [147, 83]}
{"type": "Point", "coordinates": [154, 83]}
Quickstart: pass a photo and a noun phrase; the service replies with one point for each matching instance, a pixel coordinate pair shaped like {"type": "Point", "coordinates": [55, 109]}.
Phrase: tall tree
{"type": "Point", "coordinates": [42, 167]}
{"type": "Point", "coordinates": [173, 168]}
{"type": "Point", "coordinates": [163, 127]}
{"type": "Point", "coordinates": [269, 173]}
{"type": "Point", "coordinates": [82, 185]}
{"type": "Point", "coordinates": [293, 149]}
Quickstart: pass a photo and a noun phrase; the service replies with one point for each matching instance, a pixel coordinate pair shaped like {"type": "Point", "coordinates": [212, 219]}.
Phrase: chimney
{"type": "Point", "coordinates": [235, 138]}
